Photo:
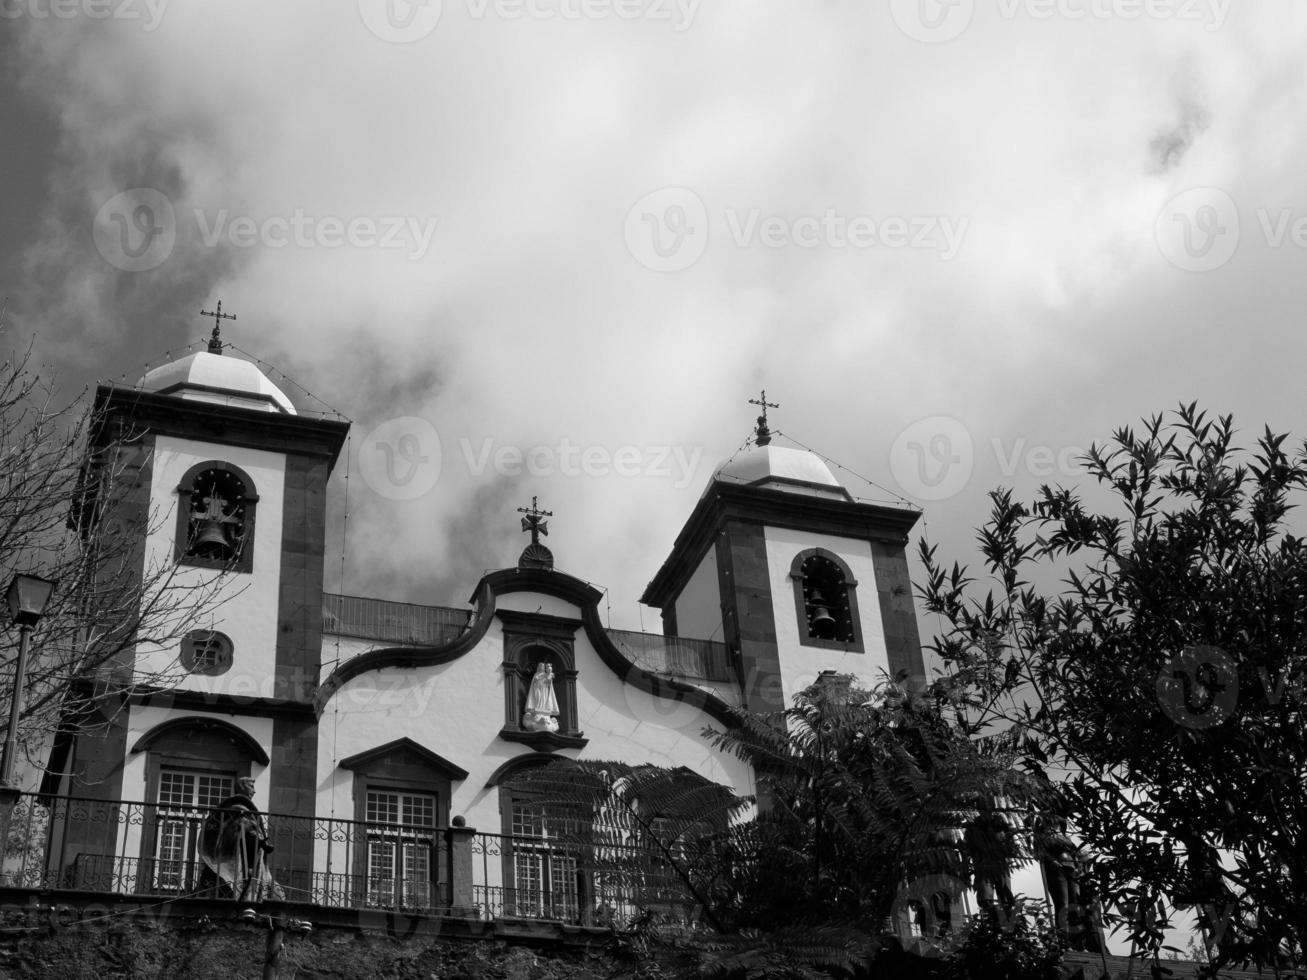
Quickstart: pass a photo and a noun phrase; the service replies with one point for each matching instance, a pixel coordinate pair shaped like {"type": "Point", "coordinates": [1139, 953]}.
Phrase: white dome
{"type": "Point", "coordinates": [208, 377]}
{"type": "Point", "coordinates": [782, 468]}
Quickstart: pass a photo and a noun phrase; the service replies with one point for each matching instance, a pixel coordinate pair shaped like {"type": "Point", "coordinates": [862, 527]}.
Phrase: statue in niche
{"type": "Point", "coordinates": [541, 713]}
{"type": "Point", "coordinates": [1074, 899]}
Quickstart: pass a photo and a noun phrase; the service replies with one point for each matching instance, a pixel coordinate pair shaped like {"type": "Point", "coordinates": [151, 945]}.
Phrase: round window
{"type": "Point", "coordinates": [206, 652]}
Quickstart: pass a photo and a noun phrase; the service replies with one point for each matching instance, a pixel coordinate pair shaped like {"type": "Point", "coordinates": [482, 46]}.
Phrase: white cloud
{"type": "Point", "coordinates": [527, 321]}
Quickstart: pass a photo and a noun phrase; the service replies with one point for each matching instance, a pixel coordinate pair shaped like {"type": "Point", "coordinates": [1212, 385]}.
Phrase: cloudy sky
{"type": "Point", "coordinates": [552, 247]}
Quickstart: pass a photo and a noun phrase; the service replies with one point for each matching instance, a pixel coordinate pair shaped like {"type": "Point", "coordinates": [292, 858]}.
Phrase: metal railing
{"type": "Point", "coordinates": [674, 655]}
{"type": "Point", "coordinates": [152, 850]}
{"type": "Point", "coordinates": [392, 622]}
{"type": "Point", "coordinates": [404, 622]}
{"type": "Point", "coordinates": [609, 885]}
{"type": "Point", "coordinates": [149, 849]}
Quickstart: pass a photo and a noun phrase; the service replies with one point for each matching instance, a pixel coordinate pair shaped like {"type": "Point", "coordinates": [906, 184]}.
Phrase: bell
{"type": "Point", "coordinates": [211, 541]}
{"type": "Point", "coordinates": [822, 625]}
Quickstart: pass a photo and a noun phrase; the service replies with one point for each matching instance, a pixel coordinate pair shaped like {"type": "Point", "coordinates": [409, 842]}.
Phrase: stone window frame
{"type": "Point", "coordinates": [382, 769]}
{"type": "Point", "coordinates": [208, 638]}
{"type": "Point", "coordinates": [364, 784]}
{"type": "Point", "coordinates": [244, 560]}
{"type": "Point", "coordinates": [849, 605]}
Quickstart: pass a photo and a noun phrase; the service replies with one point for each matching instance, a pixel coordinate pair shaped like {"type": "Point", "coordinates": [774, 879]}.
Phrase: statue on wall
{"type": "Point", "coordinates": [234, 847]}
{"type": "Point", "coordinates": [541, 713]}
{"type": "Point", "coordinates": [1075, 905]}
{"type": "Point", "coordinates": [992, 851]}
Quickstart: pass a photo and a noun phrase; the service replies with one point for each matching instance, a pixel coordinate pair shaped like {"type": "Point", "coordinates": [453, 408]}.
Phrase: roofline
{"type": "Point", "coordinates": [254, 396]}
{"type": "Point", "coordinates": [724, 502]}
{"type": "Point", "coordinates": [548, 582]}
{"type": "Point", "coordinates": [251, 428]}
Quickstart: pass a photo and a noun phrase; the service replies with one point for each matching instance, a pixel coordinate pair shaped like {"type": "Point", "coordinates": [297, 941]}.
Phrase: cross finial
{"type": "Point", "coordinates": [535, 520]}
{"type": "Point", "coordinates": [215, 344]}
{"type": "Point", "coordinates": [764, 434]}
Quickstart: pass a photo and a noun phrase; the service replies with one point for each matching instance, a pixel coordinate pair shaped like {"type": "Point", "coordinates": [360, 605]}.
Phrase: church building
{"type": "Point", "coordinates": [425, 711]}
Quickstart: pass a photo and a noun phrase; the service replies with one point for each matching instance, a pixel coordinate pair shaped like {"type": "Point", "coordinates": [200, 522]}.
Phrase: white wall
{"type": "Point", "coordinates": [800, 664]}
{"type": "Point", "coordinates": [534, 602]}
{"type": "Point", "coordinates": [699, 606]}
{"type": "Point", "coordinates": [457, 710]}
{"type": "Point", "coordinates": [144, 718]}
{"type": "Point", "coordinates": [242, 605]}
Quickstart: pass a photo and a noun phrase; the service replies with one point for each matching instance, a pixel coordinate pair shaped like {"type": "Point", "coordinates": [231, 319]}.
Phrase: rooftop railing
{"type": "Point", "coordinates": [674, 655]}
{"type": "Point", "coordinates": [392, 622]}
{"type": "Point", "coordinates": [409, 623]}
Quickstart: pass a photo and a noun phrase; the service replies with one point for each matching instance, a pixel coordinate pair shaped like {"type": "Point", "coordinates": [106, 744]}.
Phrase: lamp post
{"type": "Point", "coordinates": [26, 596]}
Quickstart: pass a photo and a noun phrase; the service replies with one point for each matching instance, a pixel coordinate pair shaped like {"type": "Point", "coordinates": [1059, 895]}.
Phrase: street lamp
{"type": "Point", "coordinates": [27, 596]}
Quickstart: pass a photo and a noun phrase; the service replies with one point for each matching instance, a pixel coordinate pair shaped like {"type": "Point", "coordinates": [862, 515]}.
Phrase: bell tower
{"type": "Point", "coordinates": [224, 482]}
{"type": "Point", "coordinates": [778, 560]}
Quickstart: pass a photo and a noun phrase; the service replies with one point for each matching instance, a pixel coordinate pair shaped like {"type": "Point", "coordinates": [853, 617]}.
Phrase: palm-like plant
{"type": "Point", "coordinates": [641, 831]}
{"type": "Point", "coordinates": [868, 801]}
{"type": "Point", "coordinates": [869, 798]}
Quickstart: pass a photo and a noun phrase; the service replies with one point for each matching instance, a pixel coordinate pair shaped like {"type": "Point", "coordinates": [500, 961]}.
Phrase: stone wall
{"type": "Point", "coordinates": [89, 941]}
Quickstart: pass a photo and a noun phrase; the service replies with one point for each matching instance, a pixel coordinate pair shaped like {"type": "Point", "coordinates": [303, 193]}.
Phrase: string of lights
{"type": "Point", "coordinates": [897, 497]}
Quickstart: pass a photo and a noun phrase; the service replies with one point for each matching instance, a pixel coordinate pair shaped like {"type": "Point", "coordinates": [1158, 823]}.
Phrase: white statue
{"type": "Point", "coordinates": [541, 713]}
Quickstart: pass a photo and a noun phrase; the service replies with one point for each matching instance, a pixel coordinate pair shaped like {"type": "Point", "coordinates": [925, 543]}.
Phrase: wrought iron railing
{"type": "Point", "coordinates": [609, 885]}
{"type": "Point", "coordinates": [674, 655]}
{"type": "Point", "coordinates": [149, 849]}
{"type": "Point", "coordinates": [152, 850]}
{"type": "Point", "coordinates": [392, 622]}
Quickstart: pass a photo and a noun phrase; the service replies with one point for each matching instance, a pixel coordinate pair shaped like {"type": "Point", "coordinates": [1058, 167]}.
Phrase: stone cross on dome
{"type": "Point", "coordinates": [535, 555]}
{"type": "Point", "coordinates": [215, 343]}
{"type": "Point", "coordinates": [763, 436]}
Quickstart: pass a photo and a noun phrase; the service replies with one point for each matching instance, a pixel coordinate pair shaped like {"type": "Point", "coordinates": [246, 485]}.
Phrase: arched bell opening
{"type": "Point", "coordinates": [825, 601]}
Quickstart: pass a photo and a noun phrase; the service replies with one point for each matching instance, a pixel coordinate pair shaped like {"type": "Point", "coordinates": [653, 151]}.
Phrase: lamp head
{"type": "Point", "coordinates": [26, 597]}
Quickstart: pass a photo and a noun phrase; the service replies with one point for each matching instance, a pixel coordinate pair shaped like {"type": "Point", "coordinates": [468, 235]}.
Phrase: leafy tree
{"type": "Point", "coordinates": [869, 797]}
{"type": "Point", "coordinates": [63, 471]}
{"type": "Point", "coordinates": [1014, 944]}
{"type": "Point", "coordinates": [1163, 676]}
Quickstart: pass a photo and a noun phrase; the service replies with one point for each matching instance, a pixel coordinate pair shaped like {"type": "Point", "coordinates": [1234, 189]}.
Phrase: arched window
{"type": "Point", "coordinates": [192, 764]}
{"type": "Point", "coordinates": [543, 875]}
{"type": "Point", "coordinates": [206, 652]}
{"type": "Point", "coordinates": [825, 601]}
{"type": "Point", "coordinates": [599, 846]}
{"type": "Point", "coordinates": [215, 517]}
